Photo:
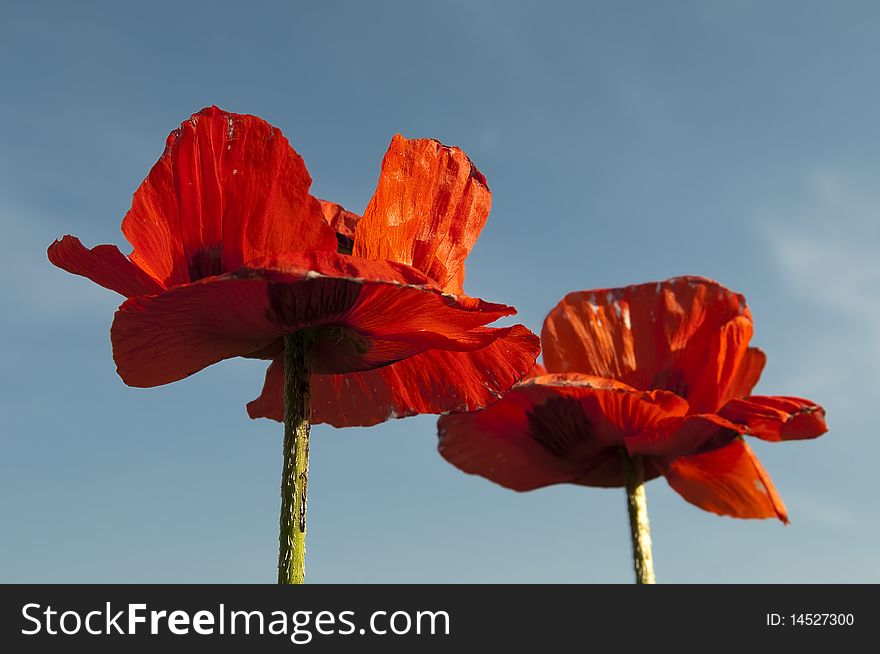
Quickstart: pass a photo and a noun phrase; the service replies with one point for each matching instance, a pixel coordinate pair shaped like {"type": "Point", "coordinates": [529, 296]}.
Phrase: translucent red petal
{"type": "Point", "coordinates": [416, 385]}
{"type": "Point", "coordinates": [687, 335]}
{"type": "Point", "coordinates": [777, 418]}
{"type": "Point", "coordinates": [227, 189]}
{"type": "Point", "coordinates": [728, 481]}
{"type": "Point", "coordinates": [428, 210]}
{"type": "Point", "coordinates": [164, 338]}
{"type": "Point", "coordinates": [103, 264]}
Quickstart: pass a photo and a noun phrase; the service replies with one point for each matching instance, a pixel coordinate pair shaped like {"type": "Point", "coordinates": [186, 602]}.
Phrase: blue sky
{"type": "Point", "coordinates": [623, 142]}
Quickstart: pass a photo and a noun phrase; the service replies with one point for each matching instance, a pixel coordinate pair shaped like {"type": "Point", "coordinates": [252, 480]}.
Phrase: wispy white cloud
{"type": "Point", "coordinates": [825, 246]}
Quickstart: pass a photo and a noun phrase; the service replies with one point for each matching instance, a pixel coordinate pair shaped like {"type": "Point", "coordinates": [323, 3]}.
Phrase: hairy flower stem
{"type": "Point", "coordinates": [639, 529]}
{"type": "Point", "coordinates": [295, 474]}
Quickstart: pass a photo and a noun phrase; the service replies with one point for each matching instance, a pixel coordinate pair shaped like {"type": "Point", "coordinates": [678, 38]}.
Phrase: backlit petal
{"type": "Point", "coordinates": [553, 429]}
{"type": "Point", "coordinates": [104, 265]}
{"type": "Point", "coordinates": [227, 189]}
{"type": "Point", "coordinates": [435, 381]}
{"type": "Point", "coordinates": [428, 210]}
{"type": "Point", "coordinates": [687, 335]}
{"type": "Point", "coordinates": [728, 481]}
{"type": "Point", "coordinates": [748, 373]}
{"type": "Point", "coordinates": [366, 314]}
{"type": "Point", "coordinates": [683, 436]}
{"type": "Point", "coordinates": [341, 221]}
{"type": "Point", "coordinates": [537, 371]}
{"type": "Point", "coordinates": [777, 418]}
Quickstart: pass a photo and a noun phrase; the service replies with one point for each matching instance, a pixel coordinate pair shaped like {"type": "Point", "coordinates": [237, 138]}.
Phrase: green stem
{"type": "Point", "coordinates": [295, 474]}
{"type": "Point", "coordinates": [639, 529]}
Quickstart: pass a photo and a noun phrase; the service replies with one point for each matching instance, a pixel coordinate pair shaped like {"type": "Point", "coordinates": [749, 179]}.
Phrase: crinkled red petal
{"type": "Point", "coordinates": [777, 418]}
{"type": "Point", "coordinates": [435, 381]}
{"type": "Point", "coordinates": [553, 429]}
{"type": "Point", "coordinates": [727, 481]}
{"type": "Point", "coordinates": [679, 436]}
{"type": "Point", "coordinates": [687, 335]}
{"type": "Point", "coordinates": [227, 189]}
{"type": "Point", "coordinates": [103, 264]}
{"type": "Point", "coordinates": [747, 375]}
{"type": "Point", "coordinates": [366, 314]}
{"type": "Point", "coordinates": [428, 210]}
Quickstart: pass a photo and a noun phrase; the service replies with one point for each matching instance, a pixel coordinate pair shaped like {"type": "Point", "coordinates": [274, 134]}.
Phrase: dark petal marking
{"type": "Point", "coordinates": [559, 426]}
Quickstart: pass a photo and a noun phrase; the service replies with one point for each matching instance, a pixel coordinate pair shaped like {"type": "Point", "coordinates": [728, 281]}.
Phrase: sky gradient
{"type": "Point", "coordinates": [623, 142]}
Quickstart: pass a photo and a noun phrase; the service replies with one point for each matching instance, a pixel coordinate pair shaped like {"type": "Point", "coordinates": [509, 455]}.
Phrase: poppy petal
{"type": "Point", "coordinates": [430, 205]}
{"type": "Point", "coordinates": [163, 338]}
{"type": "Point", "coordinates": [103, 264]}
{"type": "Point", "coordinates": [270, 402]}
{"type": "Point", "coordinates": [747, 374]}
{"type": "Point", "coordinates": [435, 381]}
{"type": "Point", "coordinates": [228, 188]}
{"type": "Point", "coordinates": [537, 371]}
{"type": "Point", "coordinates": [687, 335]}
{"type": "Point", "coordinates": [495, 443]}
{"type": "Point", "coordinates": [727, 481]}
{"type": "Point", "coordinates": [553, 429]}
{"type": "Point", "coordinates": [341, 221]}
{"type": "Point", "coordinates": [777, 418]}
{"type": "Point", "coordinates": [675, 437]}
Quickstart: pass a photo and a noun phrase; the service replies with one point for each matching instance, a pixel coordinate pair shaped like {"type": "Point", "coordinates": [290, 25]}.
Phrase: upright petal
{"type": "Point", "coordinates": [687, 335]}
{"type": "Point", "coordinates": [747, 374]}
{"type": "Point", "coordinates": [727, 481]}
{"type": "Point", "coordinates": [435, 381]}
{"type": "Point", "coordinates": [428, 210]}
{"type": "Point", "coordinates": [103, 264]}
{"type": "Point", "coordinates": [777, 418]}
{"type": "Point", "coordinates": [227, 189]}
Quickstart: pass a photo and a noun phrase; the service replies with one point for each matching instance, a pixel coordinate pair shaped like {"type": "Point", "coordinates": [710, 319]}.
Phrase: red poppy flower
{"type": "Point", "coordinates": [662, 371]}
{"type": "Point", "coordinates": [231, 253]}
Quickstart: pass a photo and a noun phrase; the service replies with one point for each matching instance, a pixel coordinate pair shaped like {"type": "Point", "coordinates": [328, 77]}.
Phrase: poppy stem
{"type": "Point", "coordinates": [295, 474]}
{"type": "Point", "coordinates": [639, 529]}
